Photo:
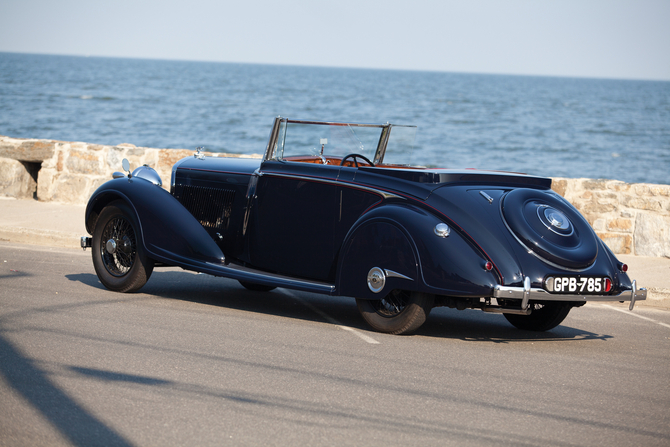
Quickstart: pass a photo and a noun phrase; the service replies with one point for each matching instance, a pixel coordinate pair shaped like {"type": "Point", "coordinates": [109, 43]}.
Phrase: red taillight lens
{"type": "Point", "coordinates": [608, 285]}
{"type": "Point", "coordinates": [488, 266]}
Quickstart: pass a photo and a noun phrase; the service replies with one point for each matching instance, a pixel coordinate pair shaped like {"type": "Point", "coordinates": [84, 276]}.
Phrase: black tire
{"type": "Point", "coordinates": [256, 287]}
{"type": "Point", "coordinates": [122, 264]}
{"type": "Point", "coordinates": [399, 312]}
{"type": "Point", "coordinates": [543, 317]}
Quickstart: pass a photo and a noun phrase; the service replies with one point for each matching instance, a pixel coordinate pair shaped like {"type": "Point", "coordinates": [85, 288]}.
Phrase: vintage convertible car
{"type": "Point", "coordinates": [332, 209]}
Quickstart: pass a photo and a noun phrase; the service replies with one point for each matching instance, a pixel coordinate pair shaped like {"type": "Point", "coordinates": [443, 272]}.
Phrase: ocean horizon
{"type": "Point", "coordinates": [549, 126]}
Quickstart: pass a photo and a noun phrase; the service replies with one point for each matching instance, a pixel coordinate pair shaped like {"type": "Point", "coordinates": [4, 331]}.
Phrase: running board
{"type": "Point", "coordinates": [242, 273]}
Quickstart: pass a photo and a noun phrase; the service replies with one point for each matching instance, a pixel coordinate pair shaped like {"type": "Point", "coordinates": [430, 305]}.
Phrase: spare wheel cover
{"type": "Point", "coordinates": [550, 227]}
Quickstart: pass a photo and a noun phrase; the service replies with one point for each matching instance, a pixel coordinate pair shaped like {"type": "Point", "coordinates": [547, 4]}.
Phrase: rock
{"type": "Point", "coordinates": [618, 243]}
{"type": "Point", "coordinates": [620, 225]}
{"type": "Point", "coordinates": [15, 180]}
{"type": "Point", "coordinates": [27, 150]}
{"type": "Point", "coordinates": [652, 235]}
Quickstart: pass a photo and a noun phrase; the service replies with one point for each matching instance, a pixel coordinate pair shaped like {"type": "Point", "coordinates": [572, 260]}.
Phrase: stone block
{"type": "Point", "coordinates": [560, 186]}
{"type": "Point", "coordinates": [620, 186]}
{"type": "Point", "coordinates": [620, 244]}
{"type": "Point", "coordinates": [27, 150]}
{"type": "Point", "coordinates": [642, 203]}
{"type": "Point", "coordinates": [69, 188]}
{"type": "Point", "coordinates": [597, 208]}
{"type": "Point", "coordinates": [620, 225]}
{"type": "Point", "coordinates": [45, 182]}
{"type": "Point", "coordinates": [594, 185]}
{"type": "Point", "coordinates": [606, 197]}
{"type": "Point", "coordinates": [660, 190]}
{"type": "Point", "coordinates": [15, 180]}
{"type": "Point", "coordinates": [599, 224]}
{"type": "Point", "coordinates": [114, 157]}
{"type": "Point", "coordinates": [135, 152]}
{"type": "Point", "coordinates": [83, 162]}
{"type": "Point", "coordinates": [652, 235]}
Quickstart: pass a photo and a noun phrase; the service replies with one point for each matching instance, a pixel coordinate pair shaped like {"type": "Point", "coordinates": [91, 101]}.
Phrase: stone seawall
{"type": "Point", "coordinates": [630, 218]}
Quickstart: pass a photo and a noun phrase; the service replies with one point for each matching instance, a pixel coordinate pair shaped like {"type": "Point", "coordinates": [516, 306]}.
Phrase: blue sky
{"type": "Point", "coordinates": [585, 38]}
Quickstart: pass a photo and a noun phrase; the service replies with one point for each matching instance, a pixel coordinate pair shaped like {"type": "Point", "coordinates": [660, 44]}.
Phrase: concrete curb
{"type": "Point", "coordinates": [46, 238]}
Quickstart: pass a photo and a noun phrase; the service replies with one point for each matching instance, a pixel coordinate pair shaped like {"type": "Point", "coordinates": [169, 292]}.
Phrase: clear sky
{"type": "Point", "coordinates": [628, 39]}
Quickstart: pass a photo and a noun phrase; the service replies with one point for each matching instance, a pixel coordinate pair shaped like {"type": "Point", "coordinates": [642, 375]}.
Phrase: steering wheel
{"type": "Point", "coordinates": [355, 156]}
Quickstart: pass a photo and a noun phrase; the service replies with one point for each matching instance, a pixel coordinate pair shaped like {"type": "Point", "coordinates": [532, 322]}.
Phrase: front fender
{"type": "Point", "coordinates": [401, 238]}
{"type": "Point", "coordinates": [169, 233]}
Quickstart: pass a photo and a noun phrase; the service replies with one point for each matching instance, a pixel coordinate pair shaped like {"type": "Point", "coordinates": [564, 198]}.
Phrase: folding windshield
{"type": "Point", "coordinates": [294, 140]}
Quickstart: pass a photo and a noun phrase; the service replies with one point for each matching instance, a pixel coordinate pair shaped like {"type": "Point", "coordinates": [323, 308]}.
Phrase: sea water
{"type": "Point", "coordinates": [550, 126]}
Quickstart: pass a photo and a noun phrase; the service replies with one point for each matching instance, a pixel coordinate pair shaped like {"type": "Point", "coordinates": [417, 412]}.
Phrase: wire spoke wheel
{"type": "Point", "coordinates": [392, 304]}
{"type": "Point", "coordinates": [120, 247]}
{"type": "Point", "coordinates": [118, 257]}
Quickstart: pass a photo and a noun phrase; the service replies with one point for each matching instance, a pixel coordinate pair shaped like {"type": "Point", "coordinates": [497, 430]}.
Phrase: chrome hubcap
{"type": "Point", "coordinates": [376, 279]}
{"type": "Point", "coordinates": [110, 246]}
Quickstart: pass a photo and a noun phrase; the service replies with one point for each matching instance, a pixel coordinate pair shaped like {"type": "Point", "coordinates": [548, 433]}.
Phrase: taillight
{"type": "Point", "coordinates": [488, 266]}
{"type": "Point", "coordinates": [608, 284]}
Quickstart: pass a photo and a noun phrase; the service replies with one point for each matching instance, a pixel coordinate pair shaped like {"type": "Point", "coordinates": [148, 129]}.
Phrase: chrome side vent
{"type": "Point", "coordinates": [211, 206]}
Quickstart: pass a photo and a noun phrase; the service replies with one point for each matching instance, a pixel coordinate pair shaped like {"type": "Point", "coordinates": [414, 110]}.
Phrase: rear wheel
{"type": "Point", "coordinates": [399, 312]}
{"type": "Point", "coordinates": [542, 318]}
{"type": "Point", "coordinates": [118, 258]}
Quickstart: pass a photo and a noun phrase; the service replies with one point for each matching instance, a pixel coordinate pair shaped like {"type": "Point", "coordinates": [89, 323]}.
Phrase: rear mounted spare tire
{"type": "Point", "coordinates": [551, 228]}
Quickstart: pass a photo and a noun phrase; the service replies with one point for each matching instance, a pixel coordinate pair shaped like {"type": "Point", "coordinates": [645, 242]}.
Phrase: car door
{"type": "Point", "coordinates": [292, 220]}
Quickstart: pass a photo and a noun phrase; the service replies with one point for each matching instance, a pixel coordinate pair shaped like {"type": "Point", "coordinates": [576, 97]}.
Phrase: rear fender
{"type": "Point", "coordinates": [169, 233]}
{"type": "Point", "coordinates": [402, 239]}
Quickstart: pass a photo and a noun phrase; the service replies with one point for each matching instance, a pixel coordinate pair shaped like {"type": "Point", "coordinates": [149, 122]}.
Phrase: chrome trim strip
{"type": "Point", "coordinates": [392, 274]}
{"type": "Point", "coordinates": [272, 140]}
{"type": "Point", "coordinates": [520, 293]}
{"type": "Point", "coordinates": [486, 196]}
{"type": "Point", "coordinates": [382, 143]}
{"type": "Point", "coordinates": [384, 194]}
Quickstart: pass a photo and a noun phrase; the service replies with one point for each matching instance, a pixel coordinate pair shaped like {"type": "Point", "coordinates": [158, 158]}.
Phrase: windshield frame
{"type": "Point", "coordinates": [279, 129]}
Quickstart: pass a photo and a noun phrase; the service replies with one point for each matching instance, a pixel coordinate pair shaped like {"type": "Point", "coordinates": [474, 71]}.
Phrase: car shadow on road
{"type": "Point", "coordinates": [467, 325]}
{"type": "Point", "coordinates": [477, 326]}
{"type": "Point", "coordinates": [86, 278]}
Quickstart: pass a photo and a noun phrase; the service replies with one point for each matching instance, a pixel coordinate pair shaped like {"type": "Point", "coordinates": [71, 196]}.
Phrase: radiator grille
{"type": "Point", "coordinates": [211, 206]}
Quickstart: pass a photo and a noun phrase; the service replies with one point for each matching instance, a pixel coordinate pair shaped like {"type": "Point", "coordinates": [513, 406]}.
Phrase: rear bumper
{"type": "Point", "coordinates": [527, 293]}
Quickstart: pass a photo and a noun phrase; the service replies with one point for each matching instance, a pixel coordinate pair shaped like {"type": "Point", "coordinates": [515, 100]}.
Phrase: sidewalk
{"type": "Point", "coordinates": [58, 225]}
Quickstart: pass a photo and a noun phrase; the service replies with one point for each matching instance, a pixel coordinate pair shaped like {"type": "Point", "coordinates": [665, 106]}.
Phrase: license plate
{"type": "Point", "coordinates": [578, 285]}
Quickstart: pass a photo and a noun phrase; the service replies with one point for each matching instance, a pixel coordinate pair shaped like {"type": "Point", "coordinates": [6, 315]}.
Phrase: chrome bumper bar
{"type": "Point", "coordinates": [86, 242]}
{"type": "Point", "coordinates": [527, 293]}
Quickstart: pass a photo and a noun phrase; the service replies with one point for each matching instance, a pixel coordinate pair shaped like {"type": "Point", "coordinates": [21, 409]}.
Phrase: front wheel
{"type": "Point", "coordinates": [118, 258]}
{"type": "Point", "coordinates": [542, 318]}
{"type": "Point", "coordinates": [399, 312]}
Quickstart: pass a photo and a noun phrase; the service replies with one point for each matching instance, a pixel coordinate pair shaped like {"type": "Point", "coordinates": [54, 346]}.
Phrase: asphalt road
{"type": "Point", "coordinates": [198, 360]}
